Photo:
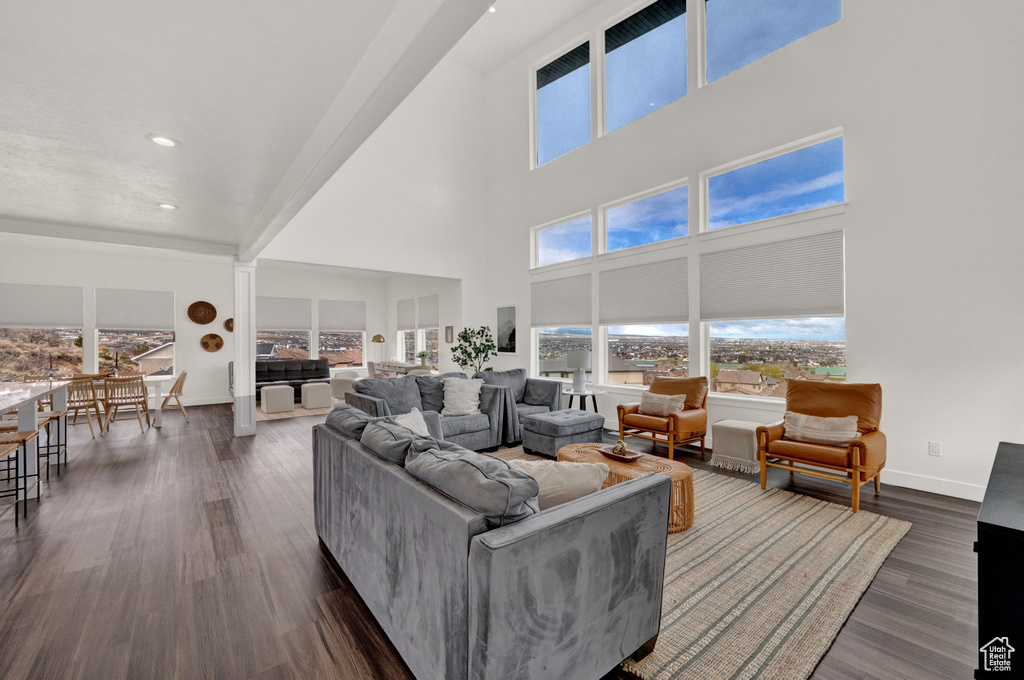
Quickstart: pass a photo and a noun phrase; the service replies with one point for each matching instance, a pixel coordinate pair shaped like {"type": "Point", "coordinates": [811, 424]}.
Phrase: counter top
{"type": "Point", "coordinates": [14, 394]}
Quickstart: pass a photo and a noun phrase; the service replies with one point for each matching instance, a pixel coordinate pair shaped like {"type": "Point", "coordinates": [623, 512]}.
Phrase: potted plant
{"type": "Point", "coordinates": [474, 348]}
{"type": "Point", "coordinates": [423, 356]}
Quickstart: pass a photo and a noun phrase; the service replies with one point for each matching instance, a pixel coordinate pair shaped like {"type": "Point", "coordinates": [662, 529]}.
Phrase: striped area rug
{"type": "Point", "coordinates": [762, 582]}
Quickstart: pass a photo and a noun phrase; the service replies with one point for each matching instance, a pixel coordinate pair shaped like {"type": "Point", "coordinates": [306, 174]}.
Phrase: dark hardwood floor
{"type": "Point", "coordinates": [186, 553]}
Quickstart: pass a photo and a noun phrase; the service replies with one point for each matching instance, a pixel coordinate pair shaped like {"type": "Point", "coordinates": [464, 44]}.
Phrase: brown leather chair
{"type": "Point", "coordinates": [860, 462]}
{"type": "Point", "coordinates": [680, 427]}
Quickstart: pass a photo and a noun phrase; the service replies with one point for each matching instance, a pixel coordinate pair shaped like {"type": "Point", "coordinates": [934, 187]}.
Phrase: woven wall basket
{"type": "Point", "coordinates": [229, 325]}
{"type": "Point", "coordinates": [202, 312]}
{"type": "Point", "coordinates": [212, 342]}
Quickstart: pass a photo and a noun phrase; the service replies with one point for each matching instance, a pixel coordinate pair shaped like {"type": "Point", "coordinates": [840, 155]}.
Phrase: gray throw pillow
{"type": "Point", "coordinates": [401, 394]}
{"type": "Point", "coordinates": [514, 378]}
{"type": "Point", "coordinates": [432, 389]}
{"type": "Point", "coordinates": [388, 440]}
{"type": "Point", "coordinates": [503, 494]}
{"type": "Point", "coordinates": [349, 420]}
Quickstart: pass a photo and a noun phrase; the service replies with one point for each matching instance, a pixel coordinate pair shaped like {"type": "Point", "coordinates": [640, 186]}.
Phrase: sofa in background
{"type": "Point", "coordinates": [530, 396]}
{"type": "Point", "coordinates": [568, 592]}
{"type": "Point", "coordinates": [292, 372]}
{"type": "Point", "coordinates": [393, 396]}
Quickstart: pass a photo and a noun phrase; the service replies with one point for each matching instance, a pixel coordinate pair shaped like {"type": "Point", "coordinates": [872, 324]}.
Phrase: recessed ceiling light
{"type": "Point", "coordinates": [167, 206]}
{"type": "Point", "coordinates": [492, 9]}
{"type": "Point", "coordinates": [161, 140]}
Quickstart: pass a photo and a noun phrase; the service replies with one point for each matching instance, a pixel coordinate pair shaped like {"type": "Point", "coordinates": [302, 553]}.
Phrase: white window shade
{"type": "Point", "coordinates": [427, 317]}
{"type": "Point", "coordinates": [27, 305]}
{"type": "Point", "coordinates": [561, 302]}
{"type": "Point", "coordinates": [646, 293]}
{"type": "Point", "coordinates": [407, 315]}
{"type": "Point", "coordinates": [342, 315]}
{"type": "Point", "coordinates": [796, 277]}
{"type": "Point", "coordinates": [283, 314]}
{"type": "Point", "coordinates": [144, 310]}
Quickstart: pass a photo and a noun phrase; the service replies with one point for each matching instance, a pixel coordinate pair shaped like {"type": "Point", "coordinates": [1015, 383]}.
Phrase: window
{"type": "Point", "coordinates": [564, 242]}
{"type": "Point", "coordinates": [430, 345]}
{"type": "Point", "coordinates": [656, 218]}
{"type": "Point", "coordinates": [645, 62]}
{"type": "Point", "coordinates": [282, 345]}
{"type": "Point", "coordinates": [554, 345]}
{"type": "Point", "coordinates": [563, 104]}
{"type": "Point", "coordinates": [407, 346]}
{"type": "Point", "coordinates": [32, 351]}
{"type": "Point", "coordinates": [638, 354]}
{"type": "Point", "coordinates": [342, 348]}
{"type": "Point", "coordinates": [761, 357]}
{"type": "Point", "coordinates": [148, 352]}
{"type": "Point", "coordinates": [742, 31]}
{"type": "Point", "coordinates": [804, 179]}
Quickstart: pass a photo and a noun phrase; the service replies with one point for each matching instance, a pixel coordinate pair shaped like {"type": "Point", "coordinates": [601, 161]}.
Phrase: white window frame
{"type": "Point", "coordinates": [535, 245]}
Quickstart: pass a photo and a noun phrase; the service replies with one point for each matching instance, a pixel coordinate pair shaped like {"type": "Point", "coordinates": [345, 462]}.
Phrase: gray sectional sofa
{"type": "Point", "coordinates": [529, 396]}
{"type": "Point", "coordinates": [466, 577]}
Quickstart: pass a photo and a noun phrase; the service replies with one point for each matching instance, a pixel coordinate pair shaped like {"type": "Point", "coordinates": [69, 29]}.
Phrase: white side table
{"type": "Point", "coordinates": [592, 393]}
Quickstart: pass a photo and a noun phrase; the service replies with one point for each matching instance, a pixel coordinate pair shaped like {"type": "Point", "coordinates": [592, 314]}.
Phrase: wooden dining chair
{"type": "Point", "coordinates": [125, 391]}
{"type": "Point", "coordinates": [176, 390]}
{"type": "Point", "coordinates": [82, 397]}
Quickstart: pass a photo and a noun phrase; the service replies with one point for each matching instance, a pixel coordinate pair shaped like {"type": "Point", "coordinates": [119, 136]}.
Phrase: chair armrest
{"type": "Point", "coordinates": [572, 591]}
{"type": "Point", "coordinates": [871, 447]}
{"type": "Point", "coordinates": [626, 409]}
{"type": "Point", "coordinates": [433, 421]}
{"type": "Point", "coordinates": [690, 422]}
{"type": "Point", "coordinates": [541, 392]}
{"type": "Point", "coordinates": [493, 403]}
{"type": "Point", "coordinates": [770, 432]}
{"type": "Point", "coordinates": [367, 404]}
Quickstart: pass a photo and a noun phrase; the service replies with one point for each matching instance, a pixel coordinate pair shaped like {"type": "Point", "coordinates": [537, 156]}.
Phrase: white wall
{"type": "Point", "coordinates": [449, 311]}
{"type": "Point", "coordinates": [32, 259]}
{"type": "Point", "coordinates": [411, 196]}
{"type": "Point", "coordinates": [929, 96]}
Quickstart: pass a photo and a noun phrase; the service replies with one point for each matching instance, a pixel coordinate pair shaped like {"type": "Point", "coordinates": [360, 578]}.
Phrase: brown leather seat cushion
{"type": "Point", "coordinates": [812, 453]}
{"type": "Point", "coordinates": [655, 423]}
{"type": "Point", "coordinates": [836, 400]}
{"type": "Point", "coordinates": [695, 389]}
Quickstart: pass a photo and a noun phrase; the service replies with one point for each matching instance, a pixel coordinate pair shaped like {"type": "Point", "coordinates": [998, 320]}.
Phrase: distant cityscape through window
{"type": "Point", "coordinates": [639, 354]}
{"type": "Point", "coordinates": [342, 348]}
{"type": "Point", "coordinates": [430, 345]}
{"type": "Point", "coordinates": [407, 346]}
{"type": "Point", "coordinates": [148, 352]}
{"type": "Point", "coordinates": [30, 352]}
{"type": "Point", "coordinates": [554, 345]}
{"type": "Point", "coordinates": [282, 345]}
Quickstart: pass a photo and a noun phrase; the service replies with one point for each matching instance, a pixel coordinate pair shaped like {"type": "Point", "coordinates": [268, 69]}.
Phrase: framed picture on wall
{"type": "Point", "coordinates": [506, 329]}
{"type": "Point", "coordinates": [449, 334]}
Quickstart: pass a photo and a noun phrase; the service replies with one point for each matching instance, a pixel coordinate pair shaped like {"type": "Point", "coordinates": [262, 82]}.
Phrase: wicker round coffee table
{"type": "Point", "coordinates": [681, 511]}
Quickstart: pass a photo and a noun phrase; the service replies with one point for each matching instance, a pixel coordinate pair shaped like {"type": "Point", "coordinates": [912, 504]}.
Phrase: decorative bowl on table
{"type": "Point", "coordinates": [620, 453]}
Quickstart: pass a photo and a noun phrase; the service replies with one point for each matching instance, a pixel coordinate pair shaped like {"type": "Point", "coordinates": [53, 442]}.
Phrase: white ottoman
{"type": "Point", "coordinates": [316, 395]}
{"type": "Point", "coordinates": [277, 398]}
{"type": "Point", "coordinates": [734, 445]}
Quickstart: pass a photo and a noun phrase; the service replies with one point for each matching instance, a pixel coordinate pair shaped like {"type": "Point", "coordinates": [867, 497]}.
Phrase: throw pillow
{"type": "Point", "coordinates": [388, 440]}
{"type": "Point", "coordinates": [413, 420]}
{"type": "Point", "coordinates": [349, 420]}
{"type": "Point", "coordinates": [561, 482]}
{"type": "Point", "coordinates": [401, 394]}
{"type": "Point", "coordinates": [800, 427]}
{"type": "Point", "coordinates": [432, 389]}
{"type": "Point", "coordinates": [503, 494]}
{"type": "Point", "coordinates": [661, 404]}
{"type": "Point", "coordinates": [461, 397]}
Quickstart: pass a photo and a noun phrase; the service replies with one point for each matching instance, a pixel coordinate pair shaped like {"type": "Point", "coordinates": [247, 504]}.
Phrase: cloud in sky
{"type": "Point", "coordinates": [822, 328]}
{"type": "Point", "coordinates": [564, 242]}
{"type": "Point", "coordinates": [649, 220]}
{"type": "Point", "coordinates": [656, 330]}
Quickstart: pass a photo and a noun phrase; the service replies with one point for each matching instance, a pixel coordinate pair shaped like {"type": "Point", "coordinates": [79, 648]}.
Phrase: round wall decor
{"type": "Point", "coordinates": [202, 312]}
{"type": "Point", "coordinates": [229, 325]}
{"type": "Point", "coordinates": [212, 342]}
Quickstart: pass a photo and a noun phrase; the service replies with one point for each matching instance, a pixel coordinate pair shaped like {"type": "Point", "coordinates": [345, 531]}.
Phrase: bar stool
{"type": "Point", "coordinates": [59, 421]}
{"type": "Point", "coordinates": [18, 440]}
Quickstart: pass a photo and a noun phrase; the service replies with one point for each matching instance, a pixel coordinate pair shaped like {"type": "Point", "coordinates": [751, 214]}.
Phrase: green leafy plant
{"type": "Point", "coordinates": [474, 348]}
{"type": "Point", "coordinates": [424, 354]}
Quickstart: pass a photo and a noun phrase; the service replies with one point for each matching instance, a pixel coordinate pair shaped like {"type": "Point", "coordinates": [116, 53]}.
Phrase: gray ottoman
{"type": "Point", "coordinates": [277, 398]}
{"type": "Point", "coordinates": [547, 432]}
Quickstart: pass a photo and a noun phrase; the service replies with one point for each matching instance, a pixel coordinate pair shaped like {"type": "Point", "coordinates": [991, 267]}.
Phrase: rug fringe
{"type": "Point", "coordinates": [737, 464]}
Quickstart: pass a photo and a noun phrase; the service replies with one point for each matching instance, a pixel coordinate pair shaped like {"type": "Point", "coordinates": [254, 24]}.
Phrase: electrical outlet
{"type": "Point", "coordinates": [934, 449]}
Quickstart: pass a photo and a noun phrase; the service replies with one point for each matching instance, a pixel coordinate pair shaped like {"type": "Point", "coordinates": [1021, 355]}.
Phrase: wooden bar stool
{"type": "Point", "coordinates": [19, 440]}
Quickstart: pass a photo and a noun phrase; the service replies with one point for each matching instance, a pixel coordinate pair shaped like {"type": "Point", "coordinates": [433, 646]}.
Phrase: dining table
{"type": "Point", "coordinates": [24, 397]}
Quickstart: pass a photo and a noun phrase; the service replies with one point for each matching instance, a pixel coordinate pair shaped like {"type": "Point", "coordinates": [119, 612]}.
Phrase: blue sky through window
{"type": "Point", "coordinates": [742, 31]}
{"type": "Point", "coordinates": [660, 330]}
{"type": "Point", "coordinates": [822, 328]}
{"type": "Point", "coordinates": [563, 115]}
{"type": "Point", "coordinates": [646, 73]}
{"type": "Point", "coordinates": [649, 220]}
{"type": "Point", "coordinates": [564, 242]}
{"type": "Point", "coordinates": [801, 180]}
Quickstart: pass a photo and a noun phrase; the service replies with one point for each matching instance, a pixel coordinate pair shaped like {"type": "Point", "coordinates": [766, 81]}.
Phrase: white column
{"type": "Point", "coordinates": [244, 366]}
{"type": "Point", "coordinates": [314, 329]}
{"type": "Point", "coordinates": [90, 344]}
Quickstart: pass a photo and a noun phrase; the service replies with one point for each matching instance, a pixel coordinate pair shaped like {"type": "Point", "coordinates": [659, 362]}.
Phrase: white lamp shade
{"type": "Point", "coordinates": [579, 359]}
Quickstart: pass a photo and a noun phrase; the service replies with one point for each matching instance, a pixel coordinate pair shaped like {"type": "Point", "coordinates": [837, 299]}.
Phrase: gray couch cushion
{"type": "Point", "coordinates": [456, 425]}
{"type": "Point", "coordinates": [530, 410]}
{"type": "Point", "coordinates": [503, 494]}
{"type": "Point", "coordinates": [515, 378]}
{"type": "Point", "coordinates": [388, 440]}
{"type": "Point", "coordinates": [401, 394]}
{"type": "Point", "coordinates": [563, 423]}
{"type": "Point", "coordinates": [432, 389]}
{"type": "Point", "coordinates": [349, 420]}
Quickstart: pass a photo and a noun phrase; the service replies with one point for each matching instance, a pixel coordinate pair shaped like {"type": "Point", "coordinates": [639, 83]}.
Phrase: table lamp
{"type": "Point", "coordinates": [579, 361]}
{"type": "Point", "coordinates": [377, 339]}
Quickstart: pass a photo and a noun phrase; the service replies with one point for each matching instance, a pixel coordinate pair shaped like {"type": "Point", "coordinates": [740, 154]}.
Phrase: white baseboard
{"type": "Point", "coordinates": [945, 487]}
{"type": "Point", "coordinates": [203, 401]}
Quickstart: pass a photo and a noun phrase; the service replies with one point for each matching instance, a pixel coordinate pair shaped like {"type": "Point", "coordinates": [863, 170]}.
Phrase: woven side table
{"type": "Point", "coordinates": [681, 511]}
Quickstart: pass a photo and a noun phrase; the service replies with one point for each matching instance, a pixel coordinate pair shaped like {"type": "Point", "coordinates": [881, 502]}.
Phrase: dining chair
{"type": "Point", "coordinates": [82, 397]}
{"type": "Point", "coordinates": [125, 391]}
{"type": "Point", "coordinates": [176, 390]}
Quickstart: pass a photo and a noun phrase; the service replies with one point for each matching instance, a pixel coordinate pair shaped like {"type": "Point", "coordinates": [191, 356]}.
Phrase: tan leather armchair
{"type": "Point", "coordinates": [861, 461]}
{"type": "Point", "coordinates": [680, 427]}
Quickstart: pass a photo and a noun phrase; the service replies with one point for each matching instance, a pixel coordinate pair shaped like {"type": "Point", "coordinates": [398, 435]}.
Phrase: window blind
{"type": "Point", "coordinates": [561, 302]}
{"type": "Point", "coordinates": [145, 310]}
{"type": "Point", "coordinates": [283, 314]}
{"type": "Point", "coordinates": [657, 292]}
{"type": "Point", "coordinates": [407, 315]}
{"type": "Point", "coordinates": [28, 305]}
{"type": "Point", "coordinates": [795, 277]}
{"type": "Point", "coordinates": [427, 316]}
{"type": "Point", "coordinates": [342, 315]}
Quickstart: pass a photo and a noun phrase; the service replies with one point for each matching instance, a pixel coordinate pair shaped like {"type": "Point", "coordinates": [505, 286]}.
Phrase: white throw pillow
{"type": "Point", "coordinates": [814, 430]}
{"type": "Point", "coordinates": [661, 404]}
{"type": "Point", "coordinates": [461, 396]}
{"type": "Point", "coordinates": [413, 420]}
{"type": "Point", "coordinates": [563, 482]}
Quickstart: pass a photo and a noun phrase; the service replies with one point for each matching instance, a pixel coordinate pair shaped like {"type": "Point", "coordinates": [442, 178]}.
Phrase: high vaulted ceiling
{"type": "Point", "coordinates": [267, 100]}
